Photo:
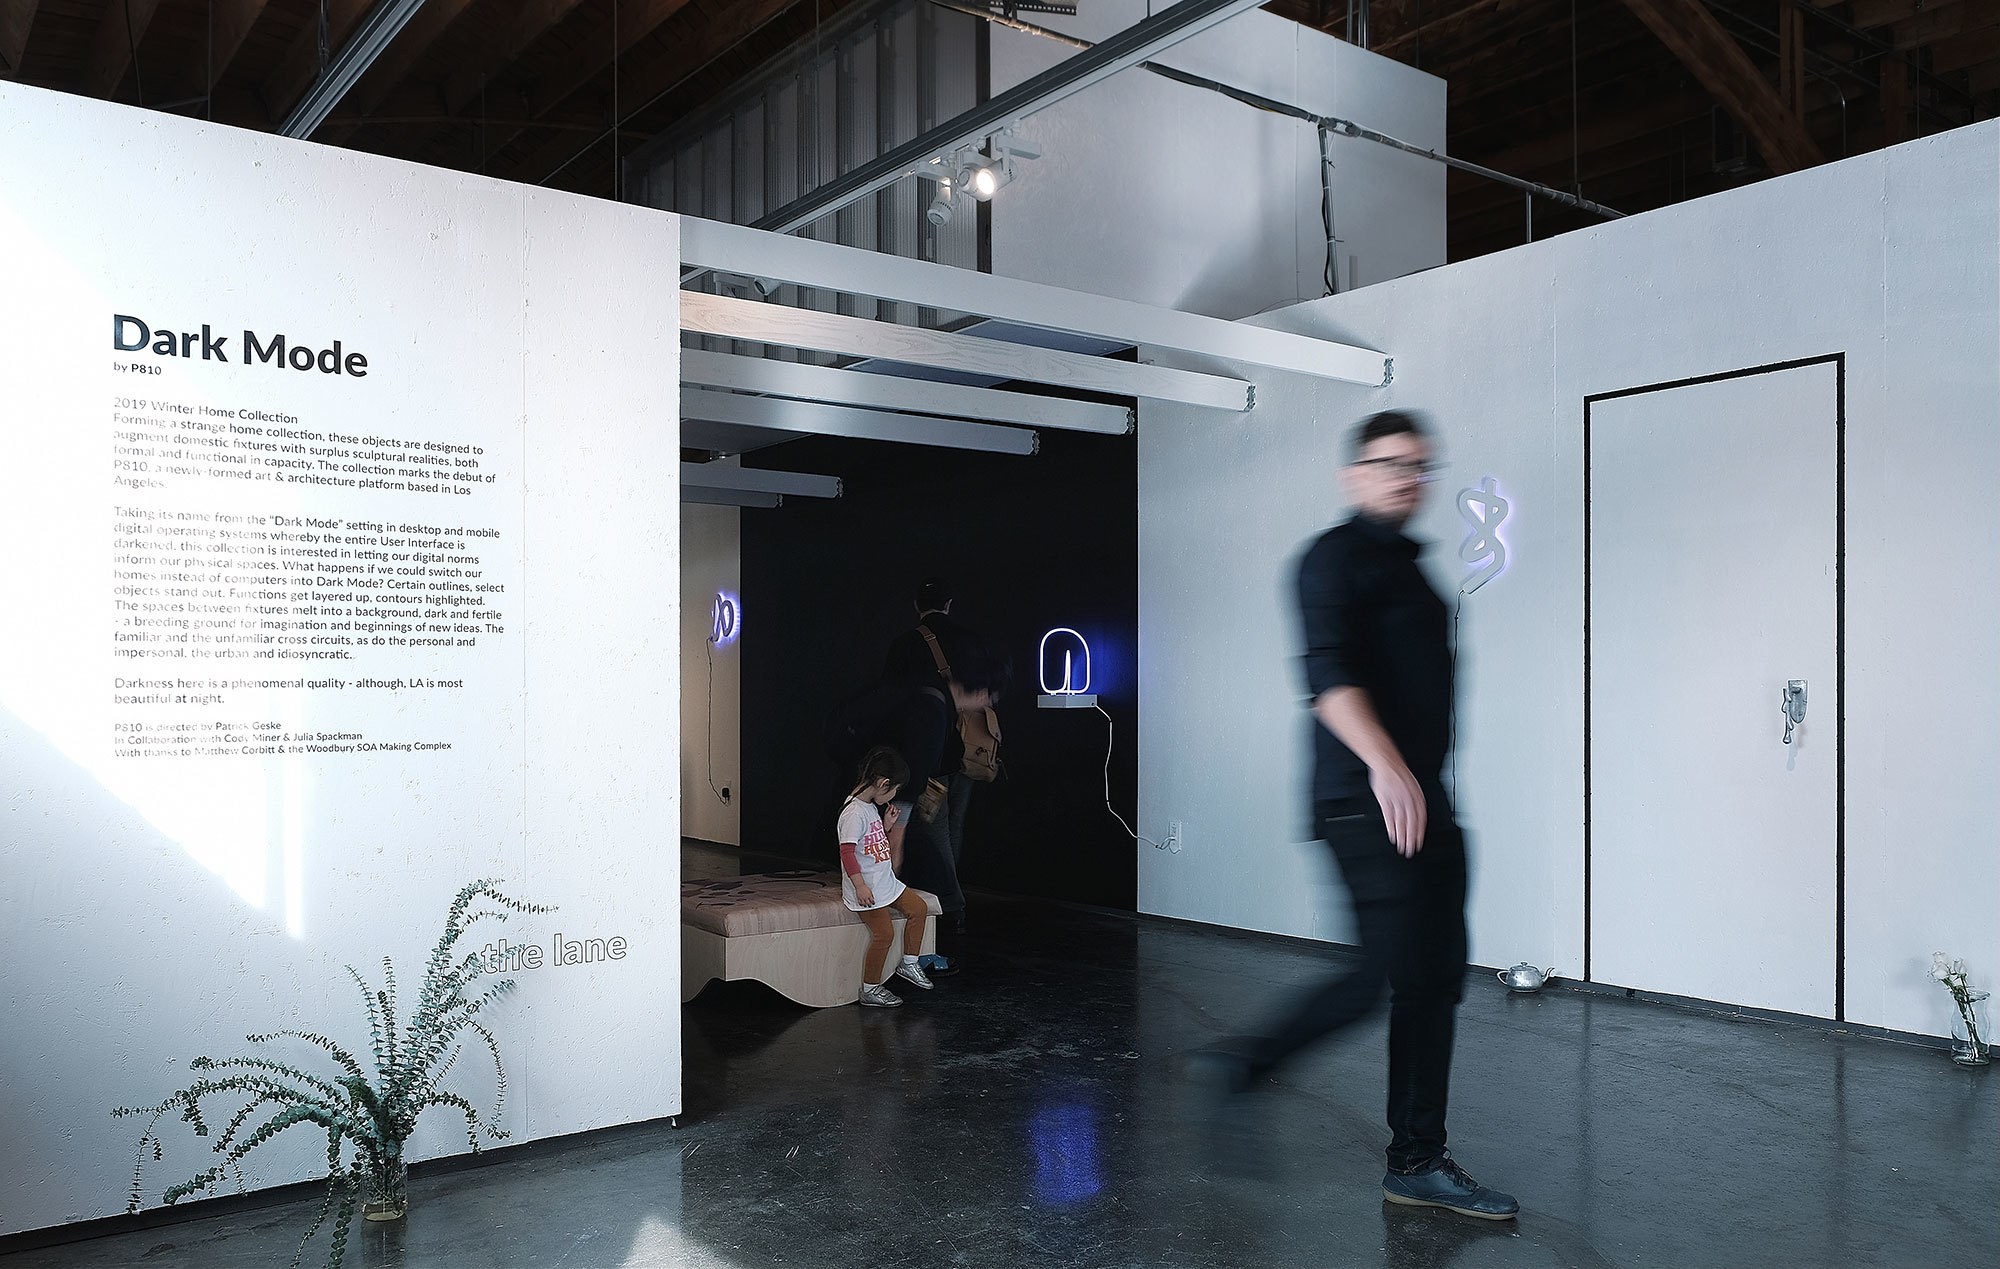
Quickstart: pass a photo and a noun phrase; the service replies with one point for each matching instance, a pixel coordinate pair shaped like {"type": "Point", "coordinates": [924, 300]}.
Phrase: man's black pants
{"type": "Point", "coordinates": [1410, 916]}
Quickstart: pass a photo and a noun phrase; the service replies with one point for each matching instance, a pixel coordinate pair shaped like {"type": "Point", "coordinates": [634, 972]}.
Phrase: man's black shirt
{"type": "Point", "coordinates": [1372, 621]}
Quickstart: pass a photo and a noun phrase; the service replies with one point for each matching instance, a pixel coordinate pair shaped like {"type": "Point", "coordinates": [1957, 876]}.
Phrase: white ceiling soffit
{"type": "Point", "coordinates": [813, 418]}
{"type": "Point", "coordinates": [854, 271]}
{"type": "Point", "coordinates": [732, 498]}
{"type": "Point", "coordinates": [890, 392]}
{"type": "Point", "coordinates": [716, 476]}
{"type": "Point", "coordinates": [749, 320]}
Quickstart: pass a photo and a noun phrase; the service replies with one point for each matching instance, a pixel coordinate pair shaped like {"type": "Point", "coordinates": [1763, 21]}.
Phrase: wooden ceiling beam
{"type": "Point", "coordinates": [1721, 66]}
{"type": "Point", "coordinates": [1472, 18]}
{"type": "Point", "coordinates": [299, 67]}
{"type": "Point", "coordinates": [119, 31]}
{"type": "Point", "coordinates": [403, 54]}
{"type": "Point", "coordinates": [1504, 67]}
{"type": "Point", "coordinates": [504, 46]}
{"type": "Point", "coordinates": [708, 41]}
{"type": "Point", "coordinates": [233, 21]}
{"type": "Point", "coordinates": [17, 17]}
{"type": "Point", "coordinates": [636, 21]}
{"type": "Point", "coordinates": [1605, 132]}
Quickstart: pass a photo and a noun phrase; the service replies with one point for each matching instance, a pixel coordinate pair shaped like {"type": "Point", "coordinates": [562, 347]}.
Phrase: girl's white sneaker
{"type": "Point", "coordinates": [911, 972]}
{"type": "Point", "coordinates": [880, 997]}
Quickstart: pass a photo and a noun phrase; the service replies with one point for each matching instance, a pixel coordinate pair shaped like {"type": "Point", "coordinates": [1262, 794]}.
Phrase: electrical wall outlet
{"type": "Point", "coordinates": [1177, 833]}
{"type": "Point", "coordinates": [725, 795]}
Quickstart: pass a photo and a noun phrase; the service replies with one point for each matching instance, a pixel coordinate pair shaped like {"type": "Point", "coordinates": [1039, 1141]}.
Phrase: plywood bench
{"type": "Point", "coordinates": [788, 930]}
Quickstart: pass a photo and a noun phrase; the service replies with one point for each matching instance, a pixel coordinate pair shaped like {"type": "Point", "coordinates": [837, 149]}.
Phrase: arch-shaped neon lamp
{"type": "Point", "coordinates": [1069, 686]}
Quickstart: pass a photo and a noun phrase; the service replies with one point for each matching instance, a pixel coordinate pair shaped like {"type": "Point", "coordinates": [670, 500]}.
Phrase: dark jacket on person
{"type": "Point", "coordinates": [910, 655]}
{"type": "Point", "coordinates": [1372, 621]}
{"type": "Point", "coordinates": [910, 660]}
{"type": "Point", "coordinates": [922, 729]}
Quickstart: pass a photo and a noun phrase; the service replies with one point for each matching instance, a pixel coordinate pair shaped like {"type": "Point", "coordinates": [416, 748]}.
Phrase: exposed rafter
{"type": "Point", "coordinates": [119, 32]}
{"type": "Point", "coordinates": [234, 20]}
{"type": "Point", "coordinates": [1721, 66]}
{"type": "Point", "coordinates": [505, 42]}
{"type": "Point", "coordinates": [394, 66]}
{"type": "Point", "coordinates": [17, 18]}
{"type": "Point", "coordinates": [637, 19]}
{"type": "Point", "coordinates": [716, 36]}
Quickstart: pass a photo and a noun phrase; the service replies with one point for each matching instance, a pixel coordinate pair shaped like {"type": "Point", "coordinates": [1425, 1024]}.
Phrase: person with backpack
{"type": "Point", "coordinates": [972, 753]}
{"type": "Point", "coordinates": [919, 721]}
{"type": "Point", "coordinates": [868, 881]}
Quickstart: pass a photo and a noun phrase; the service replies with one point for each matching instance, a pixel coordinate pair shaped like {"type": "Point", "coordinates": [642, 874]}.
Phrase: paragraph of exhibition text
{"type": "Point", "coordinates": [214, 586]}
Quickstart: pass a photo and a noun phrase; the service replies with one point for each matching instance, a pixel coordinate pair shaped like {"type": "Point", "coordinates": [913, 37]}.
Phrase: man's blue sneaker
{"type": "Point", "coordinates": [1447, 1186]}
{"type": "Point", "coordinates": [937, 966]}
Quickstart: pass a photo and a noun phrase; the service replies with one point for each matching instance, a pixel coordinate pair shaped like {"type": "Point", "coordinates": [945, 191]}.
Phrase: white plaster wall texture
{"type": "Point", "coordinates": [711, 677]}
{"type": "Point", "coordinates": [1161, 192]}
{"type": "Point", "coordinates": [156, 910]}
{"type": "Point", "coordinates": [1890, 258]}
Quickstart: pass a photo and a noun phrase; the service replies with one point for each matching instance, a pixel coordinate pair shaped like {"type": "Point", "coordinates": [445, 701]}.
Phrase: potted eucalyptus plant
{"type": "Point", "coordinates": [367, 1117]}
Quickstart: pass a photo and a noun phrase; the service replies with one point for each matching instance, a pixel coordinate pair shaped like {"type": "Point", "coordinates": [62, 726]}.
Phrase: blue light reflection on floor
{"type": "Point", "coordinates": [1065, 1142]}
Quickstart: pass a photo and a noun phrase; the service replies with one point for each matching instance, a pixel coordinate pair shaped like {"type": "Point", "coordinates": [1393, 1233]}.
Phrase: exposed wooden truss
{"type": "Point", "coordinates": [1640, 102]}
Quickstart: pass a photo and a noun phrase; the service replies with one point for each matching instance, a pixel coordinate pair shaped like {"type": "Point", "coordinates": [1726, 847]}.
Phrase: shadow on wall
{"type": "Point", "coordinates": [1029, 544]}
{"type": "Point", "coordinates": [112, 936]}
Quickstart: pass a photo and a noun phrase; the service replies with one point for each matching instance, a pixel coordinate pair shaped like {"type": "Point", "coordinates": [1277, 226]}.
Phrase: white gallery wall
{"type": "Point", "coordinates": [1161, 192]}
{"type": "Point", "coordinates": [294, 644]}
{"type": "Point", "coordinates": [712, 672]}
{"type": "Point", "coordinates": [1891, 260]}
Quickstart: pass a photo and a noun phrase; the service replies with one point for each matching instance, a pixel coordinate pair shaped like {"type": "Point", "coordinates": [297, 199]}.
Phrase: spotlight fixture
{"type": "Point", "coordinates": [980, 173]}
{"type": "Point", "coordinates": [939, 212]}
{"type": "Point", "coordinates": [986, 178]}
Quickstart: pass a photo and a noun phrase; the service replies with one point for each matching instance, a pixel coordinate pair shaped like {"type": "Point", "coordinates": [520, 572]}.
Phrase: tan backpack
{"type": "Point", "coordinates": [978, 729]}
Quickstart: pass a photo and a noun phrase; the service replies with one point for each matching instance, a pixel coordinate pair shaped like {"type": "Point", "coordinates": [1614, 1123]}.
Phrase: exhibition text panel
{"type": "Point", "coordinates": [282, 563]}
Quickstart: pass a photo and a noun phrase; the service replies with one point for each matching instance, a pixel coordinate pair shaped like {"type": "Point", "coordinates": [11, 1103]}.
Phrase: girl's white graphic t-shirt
{"type": "Point", "coordinates": [861, 825]}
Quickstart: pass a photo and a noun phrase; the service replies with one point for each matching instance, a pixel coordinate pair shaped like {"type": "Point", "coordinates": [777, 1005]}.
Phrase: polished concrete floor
{"type": "Point", "coordinates": [1029, 1112]}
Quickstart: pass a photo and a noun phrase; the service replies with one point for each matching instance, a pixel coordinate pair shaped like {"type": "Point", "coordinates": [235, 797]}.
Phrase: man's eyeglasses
{"type": "Point", "coordinates": [1407, 469]}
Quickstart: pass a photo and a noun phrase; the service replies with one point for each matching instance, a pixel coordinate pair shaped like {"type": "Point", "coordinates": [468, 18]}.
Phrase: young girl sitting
{"type": "Point", "coordinates": [868, 876]}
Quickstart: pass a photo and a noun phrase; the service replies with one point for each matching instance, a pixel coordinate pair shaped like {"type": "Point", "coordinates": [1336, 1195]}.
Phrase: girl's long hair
{"type": "Point", "coordinates": [881, 763]}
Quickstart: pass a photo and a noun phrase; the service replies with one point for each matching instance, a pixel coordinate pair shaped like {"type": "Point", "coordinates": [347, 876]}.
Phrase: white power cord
{"type": "Point", "coordinates": [1110, 738]}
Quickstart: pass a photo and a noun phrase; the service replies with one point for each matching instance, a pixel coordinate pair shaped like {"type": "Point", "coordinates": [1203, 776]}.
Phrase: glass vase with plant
{"type": "Point", "coordinates": [366, 1117]}
{"type": "Point", "coordinates": [1967, 1048]}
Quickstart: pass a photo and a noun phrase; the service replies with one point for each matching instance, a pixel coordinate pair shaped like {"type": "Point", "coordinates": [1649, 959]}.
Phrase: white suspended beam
{"type": "Point", "coordinates": [892, 392]}
{"type": "Point", "coordinates": [732, 318]}
{"type": "Point", "coordinates": [812, 418]}
{"type": "Point", "coordinates": [738, 249]}
{"type": "Point", "coordinates": [732, 498]}
{"type": "Point", "coordinates": [757, 480]}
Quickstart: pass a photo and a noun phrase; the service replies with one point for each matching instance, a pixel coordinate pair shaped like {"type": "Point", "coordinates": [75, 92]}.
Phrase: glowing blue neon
{"type": "Point", "coordinates": [726, 619]}
{"type": "Point", "coordinates": [1069, 687]}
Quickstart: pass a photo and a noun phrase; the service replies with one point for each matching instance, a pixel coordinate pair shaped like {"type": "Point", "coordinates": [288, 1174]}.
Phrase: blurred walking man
{"type": "Point", "coordinates": [1378, 663]}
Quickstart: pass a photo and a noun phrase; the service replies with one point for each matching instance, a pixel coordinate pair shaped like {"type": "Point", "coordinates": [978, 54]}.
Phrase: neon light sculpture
{"type": "Point", "coordinates": [727, 621]}
{"type": "Point", "coordinates": [1483, 509]}
{"type": "Point", "coordinates": [1069, 694]}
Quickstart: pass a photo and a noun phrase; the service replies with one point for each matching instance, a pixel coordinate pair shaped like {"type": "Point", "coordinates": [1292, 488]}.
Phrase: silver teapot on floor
{"type": "Point", "coordinates": [1525, 977]}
